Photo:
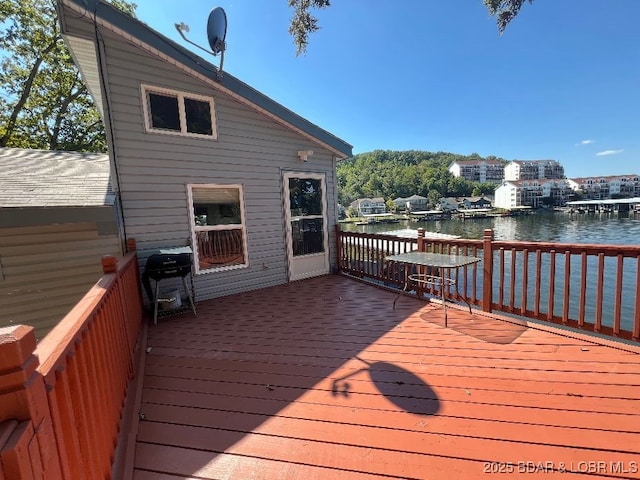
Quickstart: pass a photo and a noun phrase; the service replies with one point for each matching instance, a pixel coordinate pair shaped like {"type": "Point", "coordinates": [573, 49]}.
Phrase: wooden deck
{"type": "Point", "coordinates": [320, 380]}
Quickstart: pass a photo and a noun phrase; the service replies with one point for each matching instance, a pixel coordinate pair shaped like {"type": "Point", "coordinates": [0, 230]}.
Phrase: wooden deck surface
{"type": "Point", "coordinates": [320, 379]}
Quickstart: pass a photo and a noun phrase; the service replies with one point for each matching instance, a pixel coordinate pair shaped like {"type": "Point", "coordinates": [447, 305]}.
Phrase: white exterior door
{"type": "Point", "coordinates": [306, 216]}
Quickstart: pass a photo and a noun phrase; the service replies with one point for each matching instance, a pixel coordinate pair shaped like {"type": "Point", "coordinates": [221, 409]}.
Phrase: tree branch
{"type": "Point", "coordinates": [28, 84]}
{"type": "Point", "coordinates": [53, 142]}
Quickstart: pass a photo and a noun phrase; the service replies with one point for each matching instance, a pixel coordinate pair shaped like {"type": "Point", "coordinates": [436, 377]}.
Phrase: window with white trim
{"type": "Point", "coordinates": [218, 227]}
{"type": "Point", "coordinates": [178, 113]}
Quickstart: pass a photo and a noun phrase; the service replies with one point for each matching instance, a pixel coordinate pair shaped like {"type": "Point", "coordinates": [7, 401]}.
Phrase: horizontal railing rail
{"type": "Point", "coordinates": [68, 392]}
{"type": "Point", "coordinates": [585, 286]}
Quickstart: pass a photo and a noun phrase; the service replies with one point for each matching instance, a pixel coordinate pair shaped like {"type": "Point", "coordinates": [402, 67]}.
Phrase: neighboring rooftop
{"type": "Point", "coordinates": [46, 178]}
{"type": "Point", "coordinates": [478, 162]}
{"type": "Point", "coordinates": [607, 178]}
{"type": "Point", "coordinates": [530, 162]}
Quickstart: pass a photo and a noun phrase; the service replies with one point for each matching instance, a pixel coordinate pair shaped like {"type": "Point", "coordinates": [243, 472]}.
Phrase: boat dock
{"type": "Point", "coordinates": [608, 205]}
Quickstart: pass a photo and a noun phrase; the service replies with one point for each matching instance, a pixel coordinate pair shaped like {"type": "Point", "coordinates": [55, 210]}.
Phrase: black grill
{"type": "Point", "coordinates": [165, 265]}
{"type": "Point", "coordinates": [168, 265]}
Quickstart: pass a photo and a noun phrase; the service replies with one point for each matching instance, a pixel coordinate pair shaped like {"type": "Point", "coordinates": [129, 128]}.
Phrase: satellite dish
{"type": "Point", "coordinates": [216, 33]}
{"type": "Point", "coordinates": [217, 30]}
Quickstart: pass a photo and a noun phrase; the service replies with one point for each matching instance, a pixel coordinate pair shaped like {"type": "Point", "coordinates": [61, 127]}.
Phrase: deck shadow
{"type": "Point", "coordinates": [401, 387]}
{"type": "Point", "coordinates": [217, 383]}
{"type": "Point", "coordinates": [484, 328]}
{"type": "Point", "coordinates": [404, 389]}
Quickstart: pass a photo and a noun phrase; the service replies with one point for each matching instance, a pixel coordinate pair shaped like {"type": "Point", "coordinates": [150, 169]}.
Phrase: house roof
{"type": "Point", "coordinates": [45, 178]}
{"type": "Point", "coordinates": [133, 30]}
{"type": "Point", "coordinates": [477, 162]}
{"type": "Point", "coordinates": [534, 162]}
{"type": "Point", "coordinates": [359, 201]}
{"type": "Point", "coordinates": [607, 178]}
{"type": "Point", "coordinates": [477, 199]}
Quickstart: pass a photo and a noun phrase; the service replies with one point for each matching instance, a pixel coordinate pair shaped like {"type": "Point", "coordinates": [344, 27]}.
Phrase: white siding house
{"type": "Point", "coordinates": [204, 159]}
{"type": "Point", "coordinates": [412, 203]}
{"type": "Point", "coordinates": [449, 204]}
{"type": "Point", "coordinates": [369, 206]}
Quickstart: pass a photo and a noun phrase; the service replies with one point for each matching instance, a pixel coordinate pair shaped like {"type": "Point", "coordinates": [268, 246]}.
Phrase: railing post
{"type": "Point", "coordinates": [27, 439]}
{"type": "Point", "coordinates": [421, 240]}
{"type": "Point", "coordinates": [109, 264]}
{"type": "Point", "coordinates": [338, 247]}
{"type": "Point", "coordinates": [487, 263]}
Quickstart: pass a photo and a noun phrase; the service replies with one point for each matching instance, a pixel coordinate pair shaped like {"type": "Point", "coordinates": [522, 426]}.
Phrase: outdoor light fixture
{"type": "Point", "coordinates": [305, 154]}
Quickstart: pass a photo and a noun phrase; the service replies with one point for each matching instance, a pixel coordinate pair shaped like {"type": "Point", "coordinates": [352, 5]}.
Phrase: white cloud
{"type": "Point", "coordinates": [609, 152]}
{"type": "Point", "coordinates": [585, 142]}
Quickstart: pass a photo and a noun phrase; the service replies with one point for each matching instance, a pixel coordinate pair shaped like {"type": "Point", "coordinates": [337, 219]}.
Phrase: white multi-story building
{"type": "Point", "coordinates": [532, 193]}
{"type": "Point", "coordinates": [482, 171]}
{"type": "Point", "coordinates": [603, 188]}
{"type": "Point", "coordinates": [533, 169]}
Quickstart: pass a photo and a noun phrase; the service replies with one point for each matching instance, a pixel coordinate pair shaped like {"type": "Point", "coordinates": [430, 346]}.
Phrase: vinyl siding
{"type": "Point", "coordinates": [48, 269]}
{"type": "Point", "coordinates": [154, 169]}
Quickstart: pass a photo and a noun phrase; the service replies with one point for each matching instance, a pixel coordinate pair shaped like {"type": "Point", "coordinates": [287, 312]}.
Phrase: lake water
{"type": "Point", "coordinates": [608, 229]}
{"type": "Point", "coordinates": [589, 228]}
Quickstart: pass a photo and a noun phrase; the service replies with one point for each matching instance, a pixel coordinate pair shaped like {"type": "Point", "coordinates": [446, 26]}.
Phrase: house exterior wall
{"type": "Point", "coordinates": [369, 206]}
{"type": "Point", "coordinates": [46, 269]}
{"type": "Point", "coordinates": [512, 171]}
{"type": "Point", "coordinates": [415, 202]}
{"type": "Point", "coordinates": [448, 204]}
{"type": "Point", "coordinates": [505, 196]}
{"type": "Point", "coordinates": [154, 169]}
{"type": "Point", "coordinates": [533, 170]}
{"type": "Point", "coordinates": [469, 203]}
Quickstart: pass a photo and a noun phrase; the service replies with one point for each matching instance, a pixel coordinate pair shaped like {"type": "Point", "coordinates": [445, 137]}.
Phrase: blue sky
{"type": "Point", "coordinates": [562, 83]}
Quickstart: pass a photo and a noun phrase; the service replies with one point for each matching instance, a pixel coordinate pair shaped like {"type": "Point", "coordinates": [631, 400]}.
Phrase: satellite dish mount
{"type": "Point", "coordinates": [216, 34]}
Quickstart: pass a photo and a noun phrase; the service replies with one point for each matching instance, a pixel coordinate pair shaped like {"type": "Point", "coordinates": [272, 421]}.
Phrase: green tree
{"type": "Point", "coordinates": [391, 207]}
{"type": "Point", "coordinates": [392, 174]}
{"type": "Point", "coordinates": [303, 22]}
{"type": "Point", "coordinates": [504, 11]}
{"type": "Point", "coordinates": [43, 100]}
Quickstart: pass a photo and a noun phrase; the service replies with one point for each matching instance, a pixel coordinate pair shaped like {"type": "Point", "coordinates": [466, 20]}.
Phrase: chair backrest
{"type": "Point", "coordinates": [167, 265]}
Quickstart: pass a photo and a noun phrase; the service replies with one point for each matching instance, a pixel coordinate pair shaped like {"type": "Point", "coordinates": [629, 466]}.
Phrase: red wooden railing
{"type": "Point", "coordinates": [62, 400]}
{"type": "Point", "coordinates": [591, 287]}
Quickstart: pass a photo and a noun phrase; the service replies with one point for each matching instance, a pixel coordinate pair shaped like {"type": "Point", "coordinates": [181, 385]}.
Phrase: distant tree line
{"type": "Point", "coordinates": [392, 174]}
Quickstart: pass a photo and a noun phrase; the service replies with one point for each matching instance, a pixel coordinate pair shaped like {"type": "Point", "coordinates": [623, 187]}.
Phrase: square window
{"type": "Point", "coordinates": [165, 113]}
{"type": "Point", "coordinates": [198, 115]}
{"type": "Point", "coordinates": [217, 225]}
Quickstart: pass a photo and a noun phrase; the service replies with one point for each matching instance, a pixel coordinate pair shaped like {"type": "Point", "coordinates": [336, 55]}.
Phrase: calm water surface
{"type": "Point", "coordinates": [609, 229]}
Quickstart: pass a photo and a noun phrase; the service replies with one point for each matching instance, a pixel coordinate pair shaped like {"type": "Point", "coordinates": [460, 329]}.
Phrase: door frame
{"type": "Point", "coordinates": [313, 260]}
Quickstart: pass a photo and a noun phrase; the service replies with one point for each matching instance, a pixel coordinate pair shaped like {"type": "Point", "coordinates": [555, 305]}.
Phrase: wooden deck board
{"type": "Point", "coordinates": [323, 379]}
